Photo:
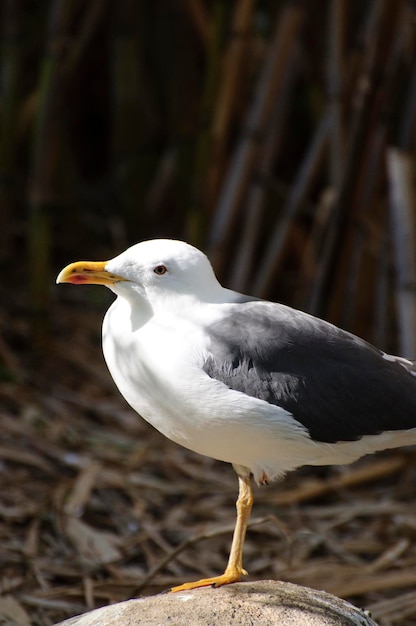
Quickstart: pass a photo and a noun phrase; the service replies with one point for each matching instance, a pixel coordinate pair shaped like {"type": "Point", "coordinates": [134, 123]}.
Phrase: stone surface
{"type": "Point", "coordinates": [264, 603]}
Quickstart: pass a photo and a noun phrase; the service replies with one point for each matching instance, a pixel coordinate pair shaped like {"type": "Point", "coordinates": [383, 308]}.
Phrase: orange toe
{"type": "Point", "coordinates": [229, 576]}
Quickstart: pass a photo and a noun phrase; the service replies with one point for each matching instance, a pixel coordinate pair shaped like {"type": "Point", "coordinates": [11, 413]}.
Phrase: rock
{"type": "Point", "coordinates": [264, 603]}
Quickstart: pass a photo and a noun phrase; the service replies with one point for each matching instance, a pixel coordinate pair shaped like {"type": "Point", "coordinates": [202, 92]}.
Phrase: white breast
{"type": "Point", "coordinates": [158, 369]}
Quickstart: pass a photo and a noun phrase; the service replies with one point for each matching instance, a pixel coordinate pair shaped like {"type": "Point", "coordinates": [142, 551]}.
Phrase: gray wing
{"type": "Point", "coordinates": [335, 384]}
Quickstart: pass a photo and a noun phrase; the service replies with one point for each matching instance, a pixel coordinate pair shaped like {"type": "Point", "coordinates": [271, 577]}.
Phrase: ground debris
{"type": "Point", "coordinates": [95, 505]}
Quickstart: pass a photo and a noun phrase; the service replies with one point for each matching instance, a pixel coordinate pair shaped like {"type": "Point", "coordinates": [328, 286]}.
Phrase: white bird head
{"type": "Point", "coordinates": [159, 271]}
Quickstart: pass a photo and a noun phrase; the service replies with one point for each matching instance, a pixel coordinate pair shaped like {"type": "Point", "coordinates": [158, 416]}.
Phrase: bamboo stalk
{"type": "Point", "coordinates": [244, 158]}
{"type": "Point", "coordinates": [350, 303]}
{"type": "Point", "coordinates": [330, 267]}
{"type": "Point", "coordinates": [198, 205]}
{"type": "Point", "coordinates": [95, 12]}
{"type": "Point", "coordinates": [11, 48]}
{"type": "Point", "coordinates": [162, 183]}
{"type": "Point", "coordinates": [402, 174]}
{"type": "Point", "coordinates": [200, 18]}
{"type": "Point", "coordinates": [406, 139]}
{"type": "Point", "coordinates": [345, 308]}
{"type": "Point", "coordinates": [128, 112]}
{"type": "Point", "coordinates": [46, 146]}
{"type": "Point", "coordinates": [235, 68]}
{"type": "Point", "coordinates": [335, 79]}
{"type": "Point", "coordinates": [314, 245]}
{"type": "Point", "coordinates": [259, 189]}
{"type": "Point", "coordinates": [382, 289]}
{"type": "Point", "coordinates": [181, 83]}
{"type": "Point", "coordinates": [306, 174]}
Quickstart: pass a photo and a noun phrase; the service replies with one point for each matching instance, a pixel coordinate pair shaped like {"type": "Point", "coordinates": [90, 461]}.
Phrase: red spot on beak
{"type": "Point", "coordinates": [78, 279]}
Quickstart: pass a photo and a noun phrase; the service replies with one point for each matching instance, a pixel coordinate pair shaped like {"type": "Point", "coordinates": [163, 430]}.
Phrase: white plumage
{"type": "Point", "coordinates": [227, 375]}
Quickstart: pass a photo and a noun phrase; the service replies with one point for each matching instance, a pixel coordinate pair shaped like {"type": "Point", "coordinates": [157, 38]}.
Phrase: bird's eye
{"type": "Point", "coordinates": [160, 270]}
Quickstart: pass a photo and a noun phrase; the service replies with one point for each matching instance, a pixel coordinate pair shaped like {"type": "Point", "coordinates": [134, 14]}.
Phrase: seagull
{"type": "Point", "coordinates": [257, 384]}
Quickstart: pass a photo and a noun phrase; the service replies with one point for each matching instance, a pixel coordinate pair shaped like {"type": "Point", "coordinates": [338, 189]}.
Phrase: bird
{"type": "Point", "coordinates": [257, 384]}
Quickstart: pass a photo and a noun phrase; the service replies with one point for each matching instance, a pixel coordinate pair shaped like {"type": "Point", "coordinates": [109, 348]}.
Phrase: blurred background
{"type": "Point", "coordinates": [279, 137]}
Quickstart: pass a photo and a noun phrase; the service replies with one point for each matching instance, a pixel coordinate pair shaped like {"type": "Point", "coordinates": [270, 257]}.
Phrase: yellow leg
{"type": "Point", "coordinates": [234, 570]}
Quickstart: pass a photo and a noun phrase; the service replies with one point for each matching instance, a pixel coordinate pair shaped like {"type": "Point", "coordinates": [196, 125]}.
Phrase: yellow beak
{"type": "Point", "coordinates": [88, 273]}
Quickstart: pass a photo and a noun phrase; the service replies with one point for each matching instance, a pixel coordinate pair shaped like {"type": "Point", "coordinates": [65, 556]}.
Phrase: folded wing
{"type": "Point", "coordinates": [335, 384]}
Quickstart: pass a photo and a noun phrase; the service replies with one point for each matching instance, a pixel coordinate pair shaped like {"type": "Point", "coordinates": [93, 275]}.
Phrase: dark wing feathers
{"type": "Point", "coordinates": [335, 384]}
